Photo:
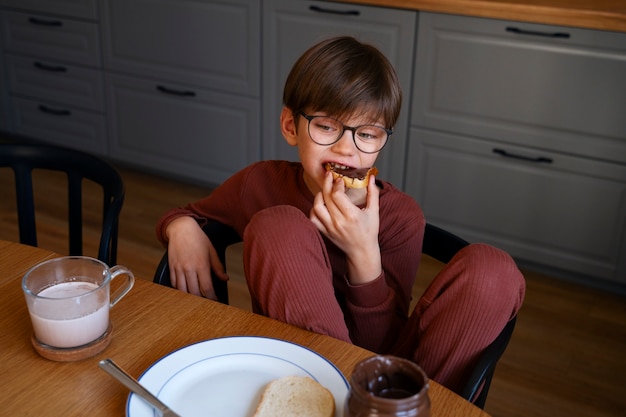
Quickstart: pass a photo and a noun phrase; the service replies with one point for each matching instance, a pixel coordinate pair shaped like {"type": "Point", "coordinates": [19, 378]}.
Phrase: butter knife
{"type": "Point", "coordinates": [131, 383]}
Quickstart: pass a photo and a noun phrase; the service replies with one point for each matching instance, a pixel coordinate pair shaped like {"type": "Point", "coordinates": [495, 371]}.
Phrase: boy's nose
{"type": "Point", "coordinates": [345, 144]}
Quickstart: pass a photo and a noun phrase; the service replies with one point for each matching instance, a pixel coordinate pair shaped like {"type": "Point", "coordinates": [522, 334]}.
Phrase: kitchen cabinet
{"type": "Point", "coordinates": [291, 27]}
{"type": "Point", "coordinates": [53, 73]}
{"type": "Point", "coordinates": [183, 85]}
{"type": "Point", "coordinates": [518, 138]}
{"type": "Point", "coordinates": [510, 133]}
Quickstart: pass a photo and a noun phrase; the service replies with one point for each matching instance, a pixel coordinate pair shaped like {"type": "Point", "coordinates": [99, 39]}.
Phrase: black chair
{"type": "Point", "coordinates": [23, 158]}
{"type": "Point", "coordinates": [442, 246]}
{"type": "Point", "coordinates": [477, 386]}
{"type": "Point", "coordinates": [438, 244]}
{"type": "Point", "coordinates": [221, 236]}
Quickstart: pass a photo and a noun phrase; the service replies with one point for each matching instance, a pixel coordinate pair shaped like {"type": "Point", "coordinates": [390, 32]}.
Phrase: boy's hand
{"type": "Point", "coordinates": [353, 229]}
{"type": "Point", "coordinates": [191, 258]}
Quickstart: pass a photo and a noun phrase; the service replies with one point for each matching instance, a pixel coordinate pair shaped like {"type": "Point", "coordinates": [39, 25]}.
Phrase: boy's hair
{"type": "Point", "coordinates": [340, 76]}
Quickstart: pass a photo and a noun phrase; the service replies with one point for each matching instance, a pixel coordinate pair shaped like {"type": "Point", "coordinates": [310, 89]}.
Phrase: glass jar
{"type": "Point", "coordinates": [387, 386]}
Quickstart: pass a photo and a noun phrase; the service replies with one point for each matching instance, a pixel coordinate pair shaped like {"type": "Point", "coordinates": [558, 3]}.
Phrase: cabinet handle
{"type": "Point", "coordinates": [539, 159]}
{"type": "Point", "coordinates": [55, 112]}
{"type": "Point", "coordinates": [331, 11]}
{"type": "Point", "coordinates": [183, 93]}
{"type": "Point", "coordinates": [45, 22]}
{"type": "Point", "coordinates": [518, 31]}
{"type": "Point", "coordinates": [51, 68]}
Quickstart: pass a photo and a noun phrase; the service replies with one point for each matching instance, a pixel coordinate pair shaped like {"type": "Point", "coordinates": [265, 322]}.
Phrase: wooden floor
{"type": "Point", "coordinates": [567, 357]}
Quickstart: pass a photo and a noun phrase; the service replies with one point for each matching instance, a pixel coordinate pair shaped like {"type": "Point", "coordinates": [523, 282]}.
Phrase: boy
{"type": "Point", "coordinates": [340, 261]}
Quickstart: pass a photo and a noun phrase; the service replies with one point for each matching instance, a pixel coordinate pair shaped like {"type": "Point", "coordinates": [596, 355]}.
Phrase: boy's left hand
{"type": "Point", "coordinates": [352, 228]}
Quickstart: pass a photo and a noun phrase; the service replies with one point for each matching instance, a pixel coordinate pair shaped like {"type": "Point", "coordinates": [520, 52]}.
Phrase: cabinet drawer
{"type": "Point", "coordinates": [84, 9]}
{"type": "Point", "coordinates": [63, 125]}
{"type": "Point", "coordinates": [55, 82]}
{"type": "Point", "coordinates": [536, 85]}
{"type": "Point", "coordinates": [189, 132]}
{"type": "Point", "coordinates": [51, 37]}
{"type": "Point", "coordinates": [213, 44]}
{"type": "Point", "coordinates": [553, 209]}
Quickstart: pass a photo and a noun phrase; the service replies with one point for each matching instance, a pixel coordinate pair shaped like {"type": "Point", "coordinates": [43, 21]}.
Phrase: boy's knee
{"type": "Point", "coordinates": [488, 259]}
{"type": "Point", "coordinates": [283, 222]}
{"type": "Point", "coordinates": [492, 271]}
{"type": "Point", "coordinates": [489, 255]}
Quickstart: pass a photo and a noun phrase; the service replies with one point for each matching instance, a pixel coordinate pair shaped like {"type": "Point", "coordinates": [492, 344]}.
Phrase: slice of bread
{"type": "Point", "coordinates": [295, 396]}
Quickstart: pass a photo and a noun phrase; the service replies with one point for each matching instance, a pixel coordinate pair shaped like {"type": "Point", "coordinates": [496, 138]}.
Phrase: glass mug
{"type": "Point", "coordinates": [69, 299]}
{"type": "Point", "coordinates": [387, 386]}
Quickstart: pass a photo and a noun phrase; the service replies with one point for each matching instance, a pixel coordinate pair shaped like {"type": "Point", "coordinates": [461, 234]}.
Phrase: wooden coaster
{"type": "Point", "coordinates": [73, 354]}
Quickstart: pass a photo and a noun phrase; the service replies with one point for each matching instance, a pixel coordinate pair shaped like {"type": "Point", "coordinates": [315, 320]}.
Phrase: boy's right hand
{"type": "Point", "coordinates": [191, 258]}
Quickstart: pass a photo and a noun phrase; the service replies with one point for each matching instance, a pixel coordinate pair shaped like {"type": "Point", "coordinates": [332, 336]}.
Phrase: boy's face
{"type": "Point", "coordinates": [314, 157]}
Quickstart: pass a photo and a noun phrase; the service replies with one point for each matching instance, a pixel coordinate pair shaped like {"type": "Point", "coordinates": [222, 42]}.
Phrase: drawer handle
{"type": "Point", "coordinates": [51, 68]}
{"type": "Point", "coordinates": [45, 22]}
{"type": "Point", "coordinates": [55, 112]}
{"type": "Point", "coordinates": [331, 11]}
{"type": "Point", "coordinates": [183, 93]}
{"type": "Point", "coordinates": [539, 159]}
{"type": "Point", "coordinates": [518, 31]}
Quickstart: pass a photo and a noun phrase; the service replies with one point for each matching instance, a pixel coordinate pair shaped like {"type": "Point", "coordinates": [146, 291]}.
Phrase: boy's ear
{"type": "Point", "coordinates": [288, 126]}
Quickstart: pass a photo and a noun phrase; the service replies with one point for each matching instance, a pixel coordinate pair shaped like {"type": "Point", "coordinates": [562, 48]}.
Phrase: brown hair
{"type": "Point", "coordinates": [341, 75]}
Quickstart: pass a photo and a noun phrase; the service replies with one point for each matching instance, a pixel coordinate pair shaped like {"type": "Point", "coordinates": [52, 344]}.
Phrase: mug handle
{"type": "Point", "coordinates": [119, 270]}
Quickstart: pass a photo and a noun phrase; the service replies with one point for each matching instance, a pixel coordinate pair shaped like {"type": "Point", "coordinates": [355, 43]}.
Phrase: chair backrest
{"type": "Point", "coordinates": [477, 386]}
{"type": "Point", "coordinates": [221, 236]}
{"type": "Point", "coordinates": [443, 245]}
{"type": "Point", "coordinates": [23, 158]}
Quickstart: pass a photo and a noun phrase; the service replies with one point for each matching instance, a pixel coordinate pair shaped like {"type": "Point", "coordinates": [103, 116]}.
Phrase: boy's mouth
{"type": "Point", "coordinates": [346, 171]}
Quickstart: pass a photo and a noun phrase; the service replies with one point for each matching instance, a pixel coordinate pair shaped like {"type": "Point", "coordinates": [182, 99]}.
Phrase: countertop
{"type": "Point", "coordinates": [590, 14]}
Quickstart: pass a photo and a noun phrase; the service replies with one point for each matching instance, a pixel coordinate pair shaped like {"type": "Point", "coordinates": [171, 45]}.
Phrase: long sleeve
{"type": "Point", "coordinates": [258, 186]}
{"type": "Point", "coordinates": [377, 311]}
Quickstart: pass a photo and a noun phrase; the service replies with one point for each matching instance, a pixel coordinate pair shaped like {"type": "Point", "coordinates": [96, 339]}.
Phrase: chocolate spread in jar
{"type": "Point", "coordinates": [387, 386]}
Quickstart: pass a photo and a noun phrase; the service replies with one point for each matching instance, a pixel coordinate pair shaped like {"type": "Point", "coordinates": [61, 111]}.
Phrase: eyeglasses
{"type": "Point", "coordinates": [326, 131]}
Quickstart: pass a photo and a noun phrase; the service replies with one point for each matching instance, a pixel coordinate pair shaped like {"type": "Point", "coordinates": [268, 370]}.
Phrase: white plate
{"type": "Point", "coordinates": [225, 377]}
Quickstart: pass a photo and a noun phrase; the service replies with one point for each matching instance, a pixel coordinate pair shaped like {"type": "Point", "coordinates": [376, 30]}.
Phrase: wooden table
{"type": "Point", "coordinates": [150, 322]}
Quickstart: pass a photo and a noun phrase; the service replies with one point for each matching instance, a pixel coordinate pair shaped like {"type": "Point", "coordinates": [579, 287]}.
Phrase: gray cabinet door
{"type": "Point", "coordinates": [52, 37]}
{"type": "Point", "coordinates": [52, 73]}
{"type": "Point", "coordinates": [548, 208]}
{"type": "Point", "coordinates": [211, 44]}
{"type": "Point", "coordinates": [291, 27]}
{"type": "Point", "coordinates": [543, 86]}
{"type": "Point", "coordinates": [60, 124]}
{"type": "Point", "coordinates": [85, 9]}
{"type": "Point", "coordinates": [184, 131]}
{"type": "Point", "coordinates": [518, 139]}
{"type": "Point", "coordinates": [55, 81]}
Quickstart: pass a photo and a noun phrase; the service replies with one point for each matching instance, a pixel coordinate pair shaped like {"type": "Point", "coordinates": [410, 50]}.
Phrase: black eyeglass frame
{"type": "Point", "coordinates": [343, 130]}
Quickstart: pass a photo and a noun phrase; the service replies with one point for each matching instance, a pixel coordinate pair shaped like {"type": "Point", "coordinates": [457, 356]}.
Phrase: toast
{"type": "Point", "coordinates": [352, 177]}
{"type": "Point", "coordinates": [293, 396]}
